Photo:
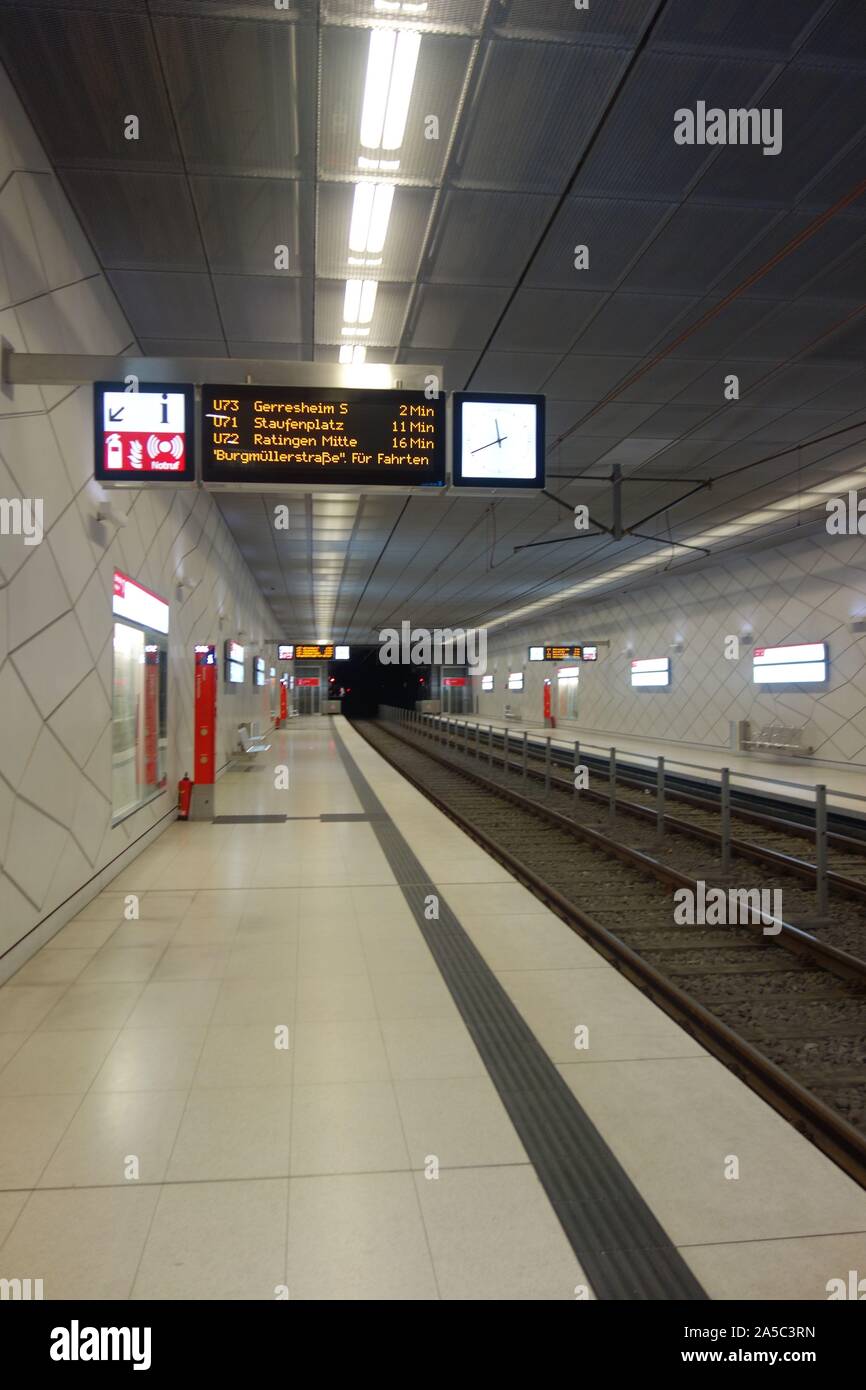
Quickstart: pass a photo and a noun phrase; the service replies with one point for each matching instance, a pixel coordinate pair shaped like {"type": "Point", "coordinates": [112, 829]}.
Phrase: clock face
{"type": "Point", "coordinates": [499, 441]}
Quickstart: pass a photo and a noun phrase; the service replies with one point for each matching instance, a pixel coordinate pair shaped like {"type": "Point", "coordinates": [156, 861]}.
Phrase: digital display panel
{"type": "Point", "coordinates": [498, 440]}
{"type": "Point", "coordinates": [651, 671]}
{"type": "Point", "coordinates": [803, 664]}
{"type": "Point", "coordinates": [313, 435]}
{"type": "Point", "coordinates": [314, 651]}
{"type": "Point", "coordinates": [143, 436]}
{"type": "Point", "coordinates": [285, 652]}
{"type": "Point", "coordinates": [564, 652]}
{"type": "Point", "coordinates": [234, 663]}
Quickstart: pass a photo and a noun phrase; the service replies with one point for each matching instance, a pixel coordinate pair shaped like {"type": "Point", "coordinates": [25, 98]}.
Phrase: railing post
{"type": "Point", "coordinates": [611, 808]}
{"type": "Point", "coordinates": [726, 818]}
{"type": "Point", "coordinates": [821, 884]}
{"type": "Point", "coordinates": [478, 744]}
{"type": "Point", "coordinates": [505, 752]}
{"type": "Point", "coordinates": [490, 746]}
{"type": "Point", "coordinates": [525, 753]}
{"type": "Point", "coordinates": [660, 798]}
{"type": "Point", "coordinates": [576, 766]}
{"type": "Point", "coordinates": [547, 768]}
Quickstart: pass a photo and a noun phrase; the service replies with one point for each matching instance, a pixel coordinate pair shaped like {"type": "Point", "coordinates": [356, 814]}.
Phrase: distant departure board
{"type": "Point", "coordinates": [310, 435]}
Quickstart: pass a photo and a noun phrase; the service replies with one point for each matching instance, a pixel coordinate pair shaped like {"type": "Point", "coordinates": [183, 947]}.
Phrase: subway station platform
{"type": "Point", "coordinates": [158, 1140]}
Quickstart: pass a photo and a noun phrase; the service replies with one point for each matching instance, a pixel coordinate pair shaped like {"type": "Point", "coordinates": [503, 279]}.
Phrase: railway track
{"type": "Point", "coordinates": [786, 1012]}
{"type": "Point", "coordinates": [782, 848]}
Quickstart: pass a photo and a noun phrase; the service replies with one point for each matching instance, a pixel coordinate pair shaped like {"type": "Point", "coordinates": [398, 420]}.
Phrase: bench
{"type": "Point", "coordinates": [249, 745]}
{"type": "Point", "coordinates": [780, 738]}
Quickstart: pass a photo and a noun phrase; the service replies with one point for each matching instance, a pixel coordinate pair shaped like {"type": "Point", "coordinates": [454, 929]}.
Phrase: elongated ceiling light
{"type": "Point", "coordinates": [391, 64]}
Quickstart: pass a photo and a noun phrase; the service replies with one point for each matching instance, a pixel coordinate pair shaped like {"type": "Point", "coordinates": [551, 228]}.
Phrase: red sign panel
{"type": "Point", "coordinates": [143, 435]}
{"type": "Point", "coordinates": [454, 680]}
{"type": "Point", "coordinates": [307, 680]}
{"type": "Point", "coordinates": [205, 714]}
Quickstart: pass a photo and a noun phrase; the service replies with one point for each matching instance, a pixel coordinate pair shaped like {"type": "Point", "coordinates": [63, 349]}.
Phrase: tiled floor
{"type": "Point", "coordinates": [261, 1083]}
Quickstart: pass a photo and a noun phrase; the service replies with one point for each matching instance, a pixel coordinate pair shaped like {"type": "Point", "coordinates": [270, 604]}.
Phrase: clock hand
{"type": "Point", "coordinates": [490, 445]}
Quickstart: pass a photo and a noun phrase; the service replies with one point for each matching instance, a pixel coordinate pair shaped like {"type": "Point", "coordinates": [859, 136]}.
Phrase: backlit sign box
{"type": "Point", "coordinates": [234, 663]}
{"type": "Point", "coordinates": [515, 680]}
{"type": "Point", "coordinates": [286, 652]}
{"type": "Point", "coordinates": [143, 437]}
{"type": "Point", "coordinates": [309, 436]}
{"type": "Point", "coordinates": [137, 604]}
{"type": "Point", "coordinates": [486, 682]}
{"type": "Point", "coordinates": [651, 671]}
{"type": "Point", "coordinates": [798, 664]}
{"type": "Point", "coordinates": [258, 670]}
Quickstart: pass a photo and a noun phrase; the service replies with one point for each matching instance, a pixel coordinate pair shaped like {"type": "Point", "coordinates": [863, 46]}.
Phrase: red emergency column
{"type": "Point", "coordinates": [204, 744]}
{"type": "Point", "coordinates": [548, 717]}
{"type": "Point", "coordinates": [284, 700]}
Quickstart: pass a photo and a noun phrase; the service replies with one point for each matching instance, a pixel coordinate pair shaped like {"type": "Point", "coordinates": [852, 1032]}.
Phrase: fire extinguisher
{"type": "Point", "coordinates": [184, 793]}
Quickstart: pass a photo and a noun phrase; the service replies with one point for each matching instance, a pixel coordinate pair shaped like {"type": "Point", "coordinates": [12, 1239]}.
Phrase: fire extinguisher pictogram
{"type": "Point", "coordinates": [184, 794]}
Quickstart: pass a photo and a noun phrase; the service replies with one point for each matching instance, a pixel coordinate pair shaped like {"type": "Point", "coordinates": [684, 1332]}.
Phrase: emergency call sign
{"type": "Point", "coordinates": [143, 436]}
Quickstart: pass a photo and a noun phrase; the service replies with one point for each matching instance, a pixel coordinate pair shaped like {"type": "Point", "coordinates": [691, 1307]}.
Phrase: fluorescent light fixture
{"type": "Point", "coordinates": [655, 670]}
{"type": "Point", "coordinates": [382, 166]}
{"type": "Point", "coordinates": [371, 213]}
{"type": "Point", "coordinates": [391, 64]}
{"type": "Point", "coordinates": [804, 664]}
{"type": "Point", "coordinates": [355, 332]}
{"type": "Point", "coordinates": [536, 653]}
{"type": "Point", "coordinates": [352, 354]}
{"type": "Point", "coordinates": [359, 301]}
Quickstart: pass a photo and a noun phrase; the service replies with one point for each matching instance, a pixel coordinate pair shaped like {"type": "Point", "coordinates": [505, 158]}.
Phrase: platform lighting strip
{"type": "Point", "coordinates": [392, 61]}
{"type": "Point", "coordinates": [816, 496]}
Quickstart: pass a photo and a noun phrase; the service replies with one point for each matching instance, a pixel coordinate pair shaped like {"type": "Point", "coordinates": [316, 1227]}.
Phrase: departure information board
{"type": "Point", "coordinates": [312, 435]}
{"type": "Point", "coordinates": [564, 652]}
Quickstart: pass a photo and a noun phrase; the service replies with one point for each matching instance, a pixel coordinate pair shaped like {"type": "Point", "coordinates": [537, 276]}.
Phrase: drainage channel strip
{"type": "Point", "coordinates": [793, 1029]}
{"type": "Point", "coordinates": [624, 1251]}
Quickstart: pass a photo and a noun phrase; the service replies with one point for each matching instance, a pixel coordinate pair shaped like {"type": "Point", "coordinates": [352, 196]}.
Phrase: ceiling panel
{"type": "Point", "coordinates": [435, 16]}
{"type": "Point", "coordinates": [737, 26]}
{"type": "Point", "coordinates": [455, 316]}
{"type": "Point", "coordinates": [391, 304]}
{"type": "Point", "coordinates": [398, 260]}
{"type": "Point", "coordinates": [261, 306]}
{"type": "Point", "coordinates": [621, 24]}
{"type": "Point", "coordinates": [80, 73]}
{"type": "Point", "coordinates": [138, 221]}
{"type": "Point", "coordinates": [485, 238]}
{"type": "Point", "coordinates": [566, 95]}
{"type": "Point", "coordinates": [245, 220]}
{"type": "Point", "coordinates": [614, 231]}
{"type": "Point", "coordinates": [164, 304]}
{"type": "Point", "coordinates": [243, 94]}
{"type": "Point", "coordinates": [546, 319]}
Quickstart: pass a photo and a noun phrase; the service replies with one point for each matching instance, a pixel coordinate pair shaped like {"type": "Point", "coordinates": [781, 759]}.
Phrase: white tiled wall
{"type": "Point", "coordinates": [57, 844]}
{"type": "Point", "coordinates": [805, 590]}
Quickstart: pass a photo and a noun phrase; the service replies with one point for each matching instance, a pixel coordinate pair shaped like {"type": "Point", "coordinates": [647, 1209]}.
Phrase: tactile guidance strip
{"type": "Point", "coordinates": [622, 1248]}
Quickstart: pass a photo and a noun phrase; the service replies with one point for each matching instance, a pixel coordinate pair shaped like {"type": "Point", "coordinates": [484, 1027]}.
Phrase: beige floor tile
{"type": "Point", "coordinates": [62, 1063]}
{"type": "Point", "coordinates": [109, 1129]}
{"type": "Point", "coordinates": [84, 935]}
{"type": "Point", "coordinates": [144, 933]}
{"type": "Point", "coordinates": [391, 948]}
{"type": "Point", "coordinates": [673, 1124]}
{"type": "Point", "coordinates": [205, 931]}
{"type": "Point", "coordinates": [234, 1056]}
{"type": "Point", "coordinates": [9, 1045]}
{"type": "Point", "coordinates": [23, 1007]}
{"type": "Point", "coordinates": [330, 951]}
{"type": "Point", "coordinates": [31, 1127]}
{"type": "Point", "coordinates": [342, 1050]}
{"type": "Point", "coordinates": [256, 1001]}
{"type": "Point", "coordinates": [85, 1243]}
{"type": "Point", "coordinates": [779, 1269]}
{"type": "Point", "coordinates": [122, 963]}
{"type": "Point", "coordinates": [412, 996]}
{"type": "Point", "coordinates": [151, 1059]}
{"type": "Point", "coordinates": [214, 903]}
{"type": "Point", "coordinates": [175, 1004]}
{"type": "Point", "coordinates": [54, 967]}
{"type": "Point", "coordinates": [223, 1240]}
{"type": "Point", "coordinates": [92, 1005]}
{"type": "Point", "coordinates": [350, 1127]}
{"type": "Point", "coordinates": [165, 905]}
{"type": "Point", "coordinates": [328, 998]}
{"type": "Point", "coordinates": [459, 1120]}
{"type": "Point", "coordinates": [104, 907]}
{"type": "Point", "coordinates": [494, 1236]}
{"type": "Point", "coordinates": [542, 991]}
{"type": "Point", "coordinates": [512, 942]}
{"type": "Point", "coordinates": [11, 1204]}
{"type": "Point", "coordinates": [231, 1133]}
{"type": "Point", "coordinates": [357, 1237]}
{"type": "Point", "coordinates": [430, 1047]}
{"type": "Point", "coordinates": [192, 963]}
{"type": "Point", "coordinates": [248, 961]}
{"type": "Point", "coordinates": [608, 1039]}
